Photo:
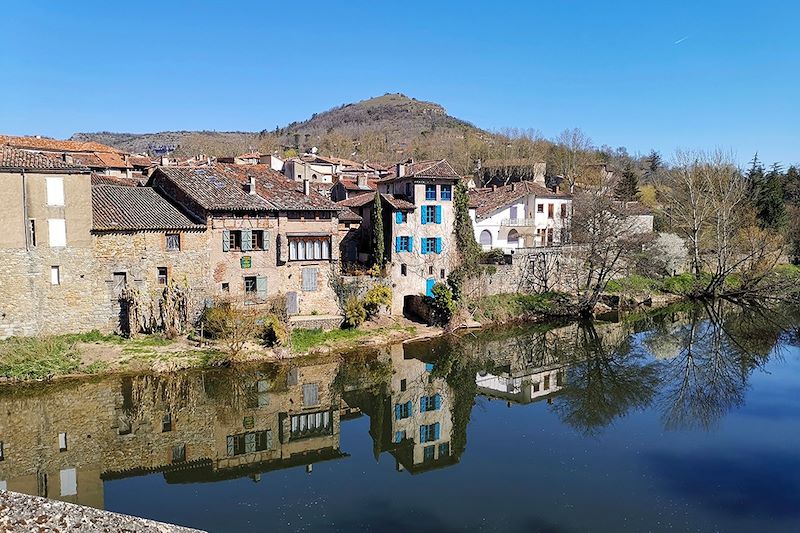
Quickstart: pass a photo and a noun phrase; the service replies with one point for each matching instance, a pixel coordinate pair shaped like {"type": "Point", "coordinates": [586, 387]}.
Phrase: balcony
{"type": "Point", "coordinates": [526, 222]}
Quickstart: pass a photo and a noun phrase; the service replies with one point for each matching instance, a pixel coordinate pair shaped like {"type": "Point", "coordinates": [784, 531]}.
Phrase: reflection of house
{"type": "Point", "coordinates": [521, 385]}
{"type": "Point", "coordinates": [192, 427]}
{"type": "Point", "coordinates": [523, 214]}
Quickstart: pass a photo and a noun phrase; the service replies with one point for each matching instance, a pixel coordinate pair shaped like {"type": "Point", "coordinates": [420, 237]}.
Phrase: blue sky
{"type": "Point", "coordinates": [643, 75]}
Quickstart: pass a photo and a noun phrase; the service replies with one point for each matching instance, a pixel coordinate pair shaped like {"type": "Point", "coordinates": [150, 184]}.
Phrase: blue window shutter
{"type": "Point", "coordinates": [226, 240]}
{"type": "Point", "coordinates": [247, 240]}
{"type": "Point", "coordinates": [267, 238]}
{"type": "Point", "coordinates": [437, 402]}
{"type": "Point", "coordinates": [411, 244]}
{"type": "Point", "coordinates": [398, 217]}
{"type": "Point", "coordinates": [397, 413]}
{"type": "Point", "coordinates": [436, 431]}
{"type": "Point", "coordinates": [397, 244]}
{"type": "Point", "coordinates": [429, 287]}
{"type": "Point", "coordinates": [424, 207]}
{"type": "Point", "coordinates": [422, 247]}
{"type": "Point", "coordinates": [261, 287]}
{"type": "Point", "coordinates": [438, 245]}
{"type": "Point", "coordinates": [438, 214]}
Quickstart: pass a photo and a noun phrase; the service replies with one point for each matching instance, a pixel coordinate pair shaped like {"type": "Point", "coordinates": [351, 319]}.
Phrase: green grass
{"type": "Point", "coordinates": [305, 339]}
{"type": "Point", "coordinates": [26, 358]}
{"type": "Point", "coordinates": [503, 307]}
{"type": "Point", "coordinates": [634, 283]}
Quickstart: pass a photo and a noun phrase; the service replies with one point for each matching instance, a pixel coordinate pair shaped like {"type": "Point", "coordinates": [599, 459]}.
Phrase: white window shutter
{"type": "Point", "coordinates": [55, 191]}
{"type": "Point", "coordinates": [57, 232]}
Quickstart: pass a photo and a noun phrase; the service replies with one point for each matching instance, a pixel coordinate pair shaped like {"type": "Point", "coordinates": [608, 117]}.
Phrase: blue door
{"type": "Point", "coordinates": [429, 287]}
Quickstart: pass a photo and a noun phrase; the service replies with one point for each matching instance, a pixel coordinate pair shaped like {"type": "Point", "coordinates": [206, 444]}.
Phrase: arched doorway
{"type": "Point", "coordinates": [485, 238]}
{"type": "Point", "coordinates": [513, 238]}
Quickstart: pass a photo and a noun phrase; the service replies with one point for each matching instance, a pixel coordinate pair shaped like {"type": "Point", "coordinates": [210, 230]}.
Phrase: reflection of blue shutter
{"type": "Point", "coordinates": [423, 434]}
{"type": "Point", "coordinates": [397, 244]}
{"type": "Point", "coordinates": [437, 402]}
{"type": "Point", "coordinates": [428, 367]}
{"type": "Point", "coordinates": [398, 217]}
{"type": "Point", "coordinates": [226, 240]}
{"type": "Point", "coordinates": [409, 408]}
{"type": "Point", "coordinates": [423, 404]}
{"type": "Point", "coordinates": [436, 431]}
{"type": "Point", "coordinates": [438, 245]}
{"type": "Point", "coordinates": [438, 214]}
{"type": "Point", "coordinates": [247, 240]}
{"type": "Point", "coordinates": [398, 437]}
{"type": "Point", "coordinates": [397, 413]}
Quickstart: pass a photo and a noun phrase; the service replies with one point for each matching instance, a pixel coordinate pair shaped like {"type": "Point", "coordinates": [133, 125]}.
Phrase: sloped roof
{"type": "Point", "coordinates": [488, 200]}
{"type": "Point", "coordinates": [13, 158]}
{"type": "Point", "coordinates": [348, 215]}
{"type": "Point", "coordinates": [351, 184]}
{"type": "Point", "coordinates": [223, 187]}
{"type": "Point", "coordinates": [425, 169]}
{"type": "Point", "coordinates": [43, 143]}
{"type": "Point", "coordinates": [104, 179]}
{"type": "Point", "coordinates": [364, 199]}
{"type": "Point", "coordinates": [116, 207]}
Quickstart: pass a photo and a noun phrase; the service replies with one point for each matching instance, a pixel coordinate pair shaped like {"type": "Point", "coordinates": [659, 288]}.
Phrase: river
{"type": "Point", "coordinates": [685, 418]}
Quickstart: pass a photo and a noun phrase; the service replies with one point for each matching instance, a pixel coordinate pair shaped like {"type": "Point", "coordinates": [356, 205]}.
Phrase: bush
{"type": "Point", "coordinates": [495, 256]}
{"type": "Point", "coordinates": [354, 312]}
{"type": "Point", "coordinates": [274, 331]}
{"type": "Point", "coordinates": [444, 307]}
{"type": "Point", "coordinates": [231, 325]}
{"type": "Point", "coordinates": [377, 297]}
{"type": "Point", "coordinates": [684, 284]}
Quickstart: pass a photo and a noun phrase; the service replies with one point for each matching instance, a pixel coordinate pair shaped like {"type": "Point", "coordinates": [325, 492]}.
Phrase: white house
{"type": "Point", "coordinates": [523, 214]}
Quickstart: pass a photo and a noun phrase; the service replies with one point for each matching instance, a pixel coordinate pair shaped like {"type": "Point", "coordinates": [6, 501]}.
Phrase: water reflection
{"type": "Point", "coordinates": [691, 363]}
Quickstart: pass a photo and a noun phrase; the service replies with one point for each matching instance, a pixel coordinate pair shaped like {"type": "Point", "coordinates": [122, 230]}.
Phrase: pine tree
{"type": "Point", "coordinates": [377, 231]}
{"type": "Point", "coordinates": [766, 194]}
{"type": "Point", "coordinates": [627, 188]}
{"type": "Point", "coordinates": [465, 234]}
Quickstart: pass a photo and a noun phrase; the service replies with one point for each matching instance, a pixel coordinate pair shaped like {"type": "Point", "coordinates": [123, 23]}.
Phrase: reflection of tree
{"type": "Point", "coordinates": [603, 382]}
{"type": "Point", "coordinates": [719, 348]}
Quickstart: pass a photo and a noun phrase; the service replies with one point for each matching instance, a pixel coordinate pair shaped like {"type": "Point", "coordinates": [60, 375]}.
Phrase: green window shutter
{"type": "Point", "coordinates": [247, 240]}
{"type": "Point", "coordinates": [226, 240]}
{"type": "Point", "coordinates": [261, 287]}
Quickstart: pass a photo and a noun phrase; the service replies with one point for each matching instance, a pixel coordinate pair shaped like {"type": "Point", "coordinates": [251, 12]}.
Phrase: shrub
{"type": "Point", "coordinates": [231, 325]}
{"type": "Point", "coordinates": [444, 307]}
{"type": "Point", "coordinates": [354, 312]}
{"type": "Point", "coordinates": [684, 284]}
{"type": "Point", "coordinates": [274, 331]}
{"type": "Point", "coordinates": [377, 297]}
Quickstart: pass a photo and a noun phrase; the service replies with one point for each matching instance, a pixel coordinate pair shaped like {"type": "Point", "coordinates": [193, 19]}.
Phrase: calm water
{"type": "Point", "coordinates": [687, 419]}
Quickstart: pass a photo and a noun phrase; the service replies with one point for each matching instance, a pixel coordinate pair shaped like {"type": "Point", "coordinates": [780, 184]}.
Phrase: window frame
{"type": "Point", "coordinates": [169, 242]}
{"type": "Point", "coordinates": [430, 214]}
{"type": "Point", "coordinates": [446, 192]}
{"type": "Point", "coordinates": [430, 188]}
{"type": "Point", "coordinates": [251, 280]}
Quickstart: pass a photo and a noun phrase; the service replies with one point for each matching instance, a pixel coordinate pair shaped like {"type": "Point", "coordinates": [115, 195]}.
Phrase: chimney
{"type": "Point", "coordinates": [401, 170]}
{"type": "Point", "coordinates": [361, 181]}
{"type": "Point", "coordinates": [125, 157]}
{"type": "Point", "coordinates": [68, 159]}
{"type": "Point", "coordinates": [306, 187]}
{"type": "Point", "coordinates": [164, 161]}
{"type": "Point", "coordinates": [252, 185]}
{"type": "Point", "coordinates": [494, 187]}
{"type": "Point", "coordinates": [513, 187]}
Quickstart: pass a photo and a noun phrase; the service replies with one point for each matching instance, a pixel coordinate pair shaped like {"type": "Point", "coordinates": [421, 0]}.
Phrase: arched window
{"type": "Point", "coordinates": [486, 237]}
{"type": "Point", "coordinates": [292, 250]}
{"type": "Point", "coordinates": [513, 237]}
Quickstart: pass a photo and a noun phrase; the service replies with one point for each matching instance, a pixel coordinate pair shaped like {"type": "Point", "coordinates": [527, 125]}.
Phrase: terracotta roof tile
{"type": "Point", "coordinates": [425, 169]}
{"type": "Point", "coordinates": [43, 143]}
{"type": "Point", "coordinates": [13, 158]}
{"type": "Point", "coordinates": [348, 215]}
{"type": "Point", "coordinates": [135, 208]}
{"type": "Point", "coordinates": [487, 200]}
{"type": "Point", "coordinates": [364, 199]}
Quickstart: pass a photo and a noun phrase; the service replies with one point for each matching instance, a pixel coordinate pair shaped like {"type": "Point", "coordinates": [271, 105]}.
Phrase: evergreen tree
{"type": "Point", "coordinates": [377, 231]}
{"type": "Point", "coordinates": [465, 234]}
{"type": "Point", "coordinates": [791, 185]}
{"type": "Point", "coordinates": [766, 194]}
{"type": "Point", "coordinates": [627, 188]}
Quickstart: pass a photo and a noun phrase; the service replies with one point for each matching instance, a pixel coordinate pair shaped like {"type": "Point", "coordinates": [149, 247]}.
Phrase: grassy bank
{"type": "Point", "coordinates": [500, 308]}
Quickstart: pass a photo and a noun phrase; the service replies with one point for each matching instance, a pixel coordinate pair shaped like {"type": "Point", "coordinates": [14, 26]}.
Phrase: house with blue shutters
{"type": "Point", "coordinates": [421, 249]}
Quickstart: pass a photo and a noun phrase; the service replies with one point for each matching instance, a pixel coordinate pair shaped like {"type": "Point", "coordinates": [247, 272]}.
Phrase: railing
{"type": "Point", "coordinates": [518, 222]}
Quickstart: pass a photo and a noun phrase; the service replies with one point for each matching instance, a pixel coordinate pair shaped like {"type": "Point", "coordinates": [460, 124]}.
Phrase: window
{"type": "Point", "coordinates": [179, 453]}
{"type": "Point", "coordinates": [441, 274]}
{"type": "Point", "coordinates": [486, 238]}
{"type": "Point", "coordinates": [559, 378]}
{"type": "Point", "coordinates": [226, 287]}
{"type": "Point", "coordinates": [540, 208]}
{"type": "Point", "coordinates": [250, 284]}
{"type": "Point", "coordinates": [400, 217]}
{"type": "Point", "coordinates": [309, 249]}
{"type": "Point", "coordinates": [430, 403]}
{"type": "Point", "coordinates": [310, 279]}
{"type": "Point", "coordinates": [173, 242]}
{"type": "Point", "coordinates": [399, 436]}
{"type": "Point", "coordinates": [403, 243]}
{"type": "Point", "coordinates": [62, 442]}
{"type": "Point", "coordinates": [513, 212]}
{"type": "Point", "coordinates": [431, 245]}
{"type": "Point", "coordinates": [429, 214]}
{"type": "Point", "coordinates": [429, 453]}
{"type": "Point", "coordinates": [536, 386]}
{"type": "Point", "coordinates": [234, 240]}
{"type": "Point", "coordinates": [447, 192]}
{"type": "Point", "coordinates": [547, 382]}
{"type": "Point", "coordinates": [55, 275]}
{"type": "Point", "coordinates": [563, 210]}
{"type": "Point", "coordinates": [55, 191]}
{"type": "Point", "coordinates": [409, 190]}
{"type": "Point", "coordinates": [257, 240]}
{"type": "Point", "coordinates": [402, 410]}
{"type": "Point", "coordinates": [310, 394]}
{"type": "Point", "coordinates": [293, 215]}
{"type": "Point", "coordinates": [68, 482]}
{"type": "Point", "coordinates": [2, 452]}
{"type": "Point", "coordinates": [57, 231]}
{"type": "Point", "coordinates": [429, 433]}
{"type": "Point", "coordinates": [513, 237]}
{"type": "Point", "coordinates": [550, 208]}
{"type": "Point", "coordinates": [430, 270]}
{"type": "Point", "coordinates": [252, 442]}
{"type": "Point", "coordinates": [166, 423]}
{"type": "Point", "coordinates": [430, 192]}
{"type": "Point", "coordinates": [403, 269]}
{"type": "Point", "coordinates": [162, 275]}
{"type": "Point", "coordinates": [32, 232]}
{"type": "Point", "coordinates": [403, 385]}
{"type": "Point", "coordinates": [444, 449]}
{"type": "Point", "coordinates": [311, 424]}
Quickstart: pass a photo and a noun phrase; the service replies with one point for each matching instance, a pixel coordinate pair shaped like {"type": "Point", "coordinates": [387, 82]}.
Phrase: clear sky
{"type": "Point", "coordinates": [639, 74]}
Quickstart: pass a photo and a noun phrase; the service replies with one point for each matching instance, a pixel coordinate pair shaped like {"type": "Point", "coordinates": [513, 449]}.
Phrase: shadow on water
{"type": "Point", "coordinates": [691, 364]}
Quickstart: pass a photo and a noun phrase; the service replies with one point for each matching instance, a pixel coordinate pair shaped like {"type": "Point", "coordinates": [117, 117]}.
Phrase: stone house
{"type": "Point", "coordinates": [522, 214]}
{"type": "Point", "coordinates": [267, 235]}
{"type": "Point", "coordinates": [347, 187]}
{"type": "Point", "coordinates": [140, 240]}
{"type": "Point", "coordinates": [46, 247]}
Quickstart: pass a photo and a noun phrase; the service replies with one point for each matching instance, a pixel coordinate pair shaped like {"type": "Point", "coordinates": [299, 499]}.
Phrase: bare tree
{"type": "Point", "coordinates": [572, 155]}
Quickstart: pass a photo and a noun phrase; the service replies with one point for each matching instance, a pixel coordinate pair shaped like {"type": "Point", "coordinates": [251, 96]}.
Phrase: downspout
{"type": "Point", "coordinates": [25, 210]}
